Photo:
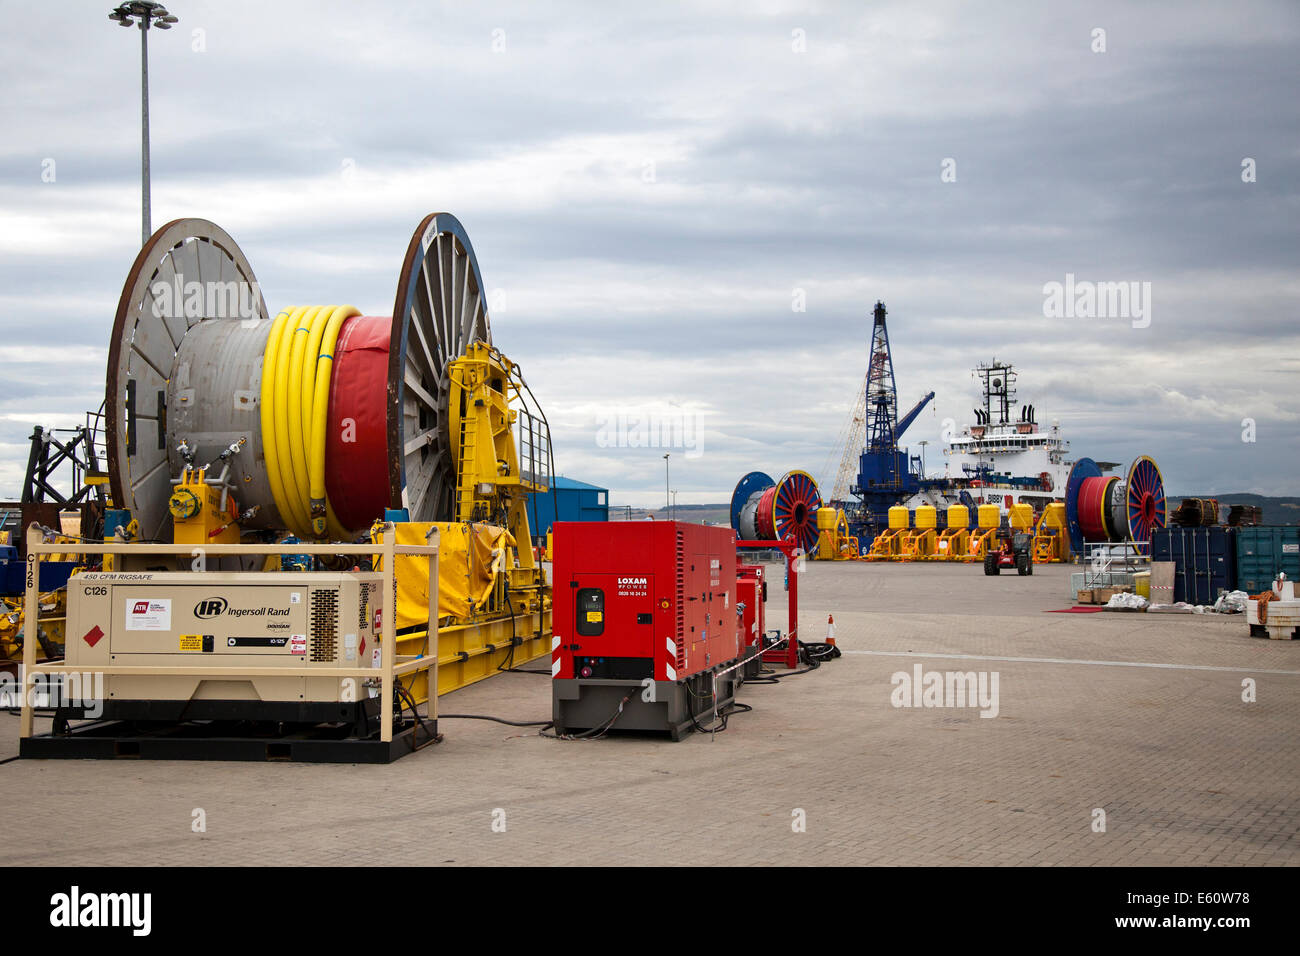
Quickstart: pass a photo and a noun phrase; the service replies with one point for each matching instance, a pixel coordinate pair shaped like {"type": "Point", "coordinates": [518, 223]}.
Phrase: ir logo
{"type": "Point", "coordinates": [498, 820]}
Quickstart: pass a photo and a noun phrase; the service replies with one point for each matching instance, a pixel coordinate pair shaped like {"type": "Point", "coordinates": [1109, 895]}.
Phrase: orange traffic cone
{"type": "Point", "coordinates": [830, 629]}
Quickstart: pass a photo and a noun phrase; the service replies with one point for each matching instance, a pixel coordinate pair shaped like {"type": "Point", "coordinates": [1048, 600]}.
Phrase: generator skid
{"type": "Point", "coordinates": [646, 626]}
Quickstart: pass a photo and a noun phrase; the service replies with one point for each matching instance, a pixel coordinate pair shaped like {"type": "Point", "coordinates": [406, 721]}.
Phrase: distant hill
{"type": "Point", "coordinates": [700, 514]}
{"type": "Point", "coordinates": [1283, 510]}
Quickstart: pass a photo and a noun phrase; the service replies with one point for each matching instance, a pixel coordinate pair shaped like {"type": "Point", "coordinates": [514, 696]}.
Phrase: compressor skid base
{"type": "Point", "coordinates": [585, 706]}
{"type": "Point", "coordinates": [321, 744]}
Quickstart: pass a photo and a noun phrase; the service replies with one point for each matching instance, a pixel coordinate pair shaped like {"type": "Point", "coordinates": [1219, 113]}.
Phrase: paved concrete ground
{"type": "Point", "coordinates": [1184, 770]}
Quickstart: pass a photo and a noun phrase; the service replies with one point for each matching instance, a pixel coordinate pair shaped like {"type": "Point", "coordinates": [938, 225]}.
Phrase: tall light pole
{"type": "Point", "coordinates": [673, 514]}
{"type": "Point", "coordinates": [143, 13]}
{"type": "Point", "coordinates": [923, 444]}
{"type": "Point", "coordinates": [666, 504]}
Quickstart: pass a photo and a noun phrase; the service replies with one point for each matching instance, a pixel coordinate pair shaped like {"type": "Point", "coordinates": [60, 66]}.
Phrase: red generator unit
{"type": "Point", "coordinates": [645, 622]}
{"type": "Point", "coordinates": [751, 596]}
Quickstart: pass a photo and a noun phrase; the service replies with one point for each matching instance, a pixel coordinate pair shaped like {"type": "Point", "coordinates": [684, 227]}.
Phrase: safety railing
{"type": "Point", "coordinates": [1103, 559]}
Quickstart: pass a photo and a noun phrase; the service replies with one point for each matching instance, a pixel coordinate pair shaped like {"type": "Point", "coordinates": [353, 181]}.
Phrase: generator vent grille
{"type": "Point", "coordinates": [324, 625]}
{"type": "Point", "coordinates": [681, 601]}
{"type": "Point", "coordinates": [363, 612]}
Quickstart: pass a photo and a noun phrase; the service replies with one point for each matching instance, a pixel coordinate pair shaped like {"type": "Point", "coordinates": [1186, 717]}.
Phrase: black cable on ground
{"type": "Point", "coordinates": [812, 653]}
{"type": "Point", "coordinates": [429, 736]}
{"type": "Point", "coordinates": [499, 720]}
{"type": "Point", "coordinates": [724, 712]}
{"type": "Point", "coordinates": [818, 650]}
{"type": "Point", "coordinates": [598, 731]}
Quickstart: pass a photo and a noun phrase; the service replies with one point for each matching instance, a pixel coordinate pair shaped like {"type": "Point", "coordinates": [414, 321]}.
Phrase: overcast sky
{"type": "Point", "coordinates": [650, 189]}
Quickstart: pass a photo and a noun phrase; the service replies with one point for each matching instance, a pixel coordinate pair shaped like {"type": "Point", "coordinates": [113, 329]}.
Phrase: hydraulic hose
{"type": "Point", "coordinates": [296, 378]}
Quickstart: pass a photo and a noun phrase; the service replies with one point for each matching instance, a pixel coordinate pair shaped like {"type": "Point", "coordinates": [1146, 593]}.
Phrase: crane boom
{"type": "Point", "coordinates": [911, 416]}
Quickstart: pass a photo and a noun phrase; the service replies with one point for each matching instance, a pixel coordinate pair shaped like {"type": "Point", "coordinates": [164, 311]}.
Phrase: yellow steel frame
{"type": "Point", "coordinates": [953, 544]}
{"type": "Point", "coordinates": [979, 543]}
{"type": "Point", "coordinates": [886, 544]}
{"type": "Point", "coordinates": [490, 485]}
{"type": "Point", "coordinates": [917, 545]}
{"type": "Point", "coordinates": [836, 544]}
{"type": "Point", "coordinates": [1051, 540]}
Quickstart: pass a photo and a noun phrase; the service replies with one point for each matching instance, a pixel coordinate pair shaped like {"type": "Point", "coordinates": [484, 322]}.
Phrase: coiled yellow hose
{"type": "Point", "coordinates": [296, 369]}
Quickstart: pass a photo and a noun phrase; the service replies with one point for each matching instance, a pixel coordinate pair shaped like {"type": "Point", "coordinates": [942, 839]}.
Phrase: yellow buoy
{"type": "Point", "coordinates": [1021, 517]}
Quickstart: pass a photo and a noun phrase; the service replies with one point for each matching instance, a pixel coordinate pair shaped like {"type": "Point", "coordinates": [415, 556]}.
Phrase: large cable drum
{"type": "Point", "coordinates": [1101, 508]}
{"type": "Point", "coordinates": [767, 510]}
{"type": "Point", "coordinates": [1142, 508]}
{"type": "Point", "coordinates": [744, 504]}
{"type": "Point", "coordinates": [187, 362]}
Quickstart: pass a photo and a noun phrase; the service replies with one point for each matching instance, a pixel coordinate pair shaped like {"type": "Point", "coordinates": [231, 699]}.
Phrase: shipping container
{"type": "Point", "coordinates": [1264, 551]}
{"type": "Point", "coordinates": [1205, 561]}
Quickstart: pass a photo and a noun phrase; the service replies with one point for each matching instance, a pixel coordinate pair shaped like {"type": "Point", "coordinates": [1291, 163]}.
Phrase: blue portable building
{"type": "Point", "coordinates": [567, 500]}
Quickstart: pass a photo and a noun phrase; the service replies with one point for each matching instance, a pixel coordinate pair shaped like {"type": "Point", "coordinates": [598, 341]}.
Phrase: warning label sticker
{"type": "Point", "coordinates": [593, 617]}
{"type": "Point", "coordinates": [298, 644]}
{"type": "Point", "coordinates": [191, 642]}
{"type": "Point", "coordinates": [149, 615]}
